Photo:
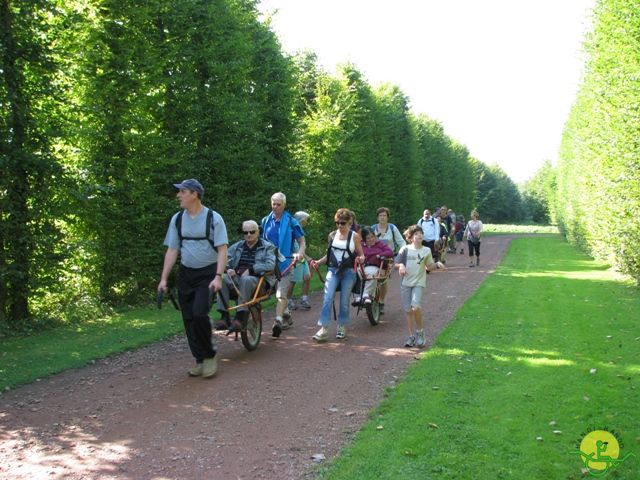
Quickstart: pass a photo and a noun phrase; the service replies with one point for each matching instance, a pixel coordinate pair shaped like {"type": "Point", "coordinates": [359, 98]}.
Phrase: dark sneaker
{"type": "Point", "coordinates": [277, 328]}
{"type": "Point", "coordinates": [381, 308]}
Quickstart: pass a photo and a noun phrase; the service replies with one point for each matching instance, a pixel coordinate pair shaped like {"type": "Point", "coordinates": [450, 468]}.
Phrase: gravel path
{"type": "Point", "coordinates": [264, 415]}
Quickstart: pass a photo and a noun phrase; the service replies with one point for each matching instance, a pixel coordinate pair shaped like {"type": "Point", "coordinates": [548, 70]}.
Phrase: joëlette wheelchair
{"type": "Point", "coordinates": [382, 277]}
{"type": "Point", "coordinates": [251, 332]}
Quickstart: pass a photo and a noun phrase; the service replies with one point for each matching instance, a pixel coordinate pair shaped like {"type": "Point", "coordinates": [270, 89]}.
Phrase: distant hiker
{"type": "Point", "coordinates": [473, 232]}
{"type": "Point", "coordinates": [301, 272]}
{"type": "Point", "coordinates": [460, 227]}
{"type": "Point", "coordinates": [430, 228]}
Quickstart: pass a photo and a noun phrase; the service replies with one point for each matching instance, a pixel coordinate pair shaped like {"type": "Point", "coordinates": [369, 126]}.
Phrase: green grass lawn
{"type": "Point", "coordinates": [547, 349]}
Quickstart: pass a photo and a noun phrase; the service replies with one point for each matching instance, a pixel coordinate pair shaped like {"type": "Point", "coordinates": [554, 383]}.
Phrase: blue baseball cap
{"type": "Point", "coordinates": [191, 184]}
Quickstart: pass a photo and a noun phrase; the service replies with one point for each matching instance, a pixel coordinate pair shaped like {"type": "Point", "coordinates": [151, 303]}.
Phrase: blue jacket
{"type": "Point", "coordinates": [290, 230]}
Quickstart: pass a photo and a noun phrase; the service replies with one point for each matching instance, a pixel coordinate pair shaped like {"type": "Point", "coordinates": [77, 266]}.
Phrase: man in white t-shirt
{"type": "Point", "coordinates": [430, 226]}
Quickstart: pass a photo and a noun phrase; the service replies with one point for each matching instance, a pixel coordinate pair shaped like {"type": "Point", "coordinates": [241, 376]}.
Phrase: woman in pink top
{"type": "Point", "coordinates": [374, 252]}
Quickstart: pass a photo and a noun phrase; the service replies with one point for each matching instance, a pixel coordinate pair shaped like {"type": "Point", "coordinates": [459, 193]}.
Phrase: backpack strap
{"type": "Point", "coordinates": [209, 229]}
{"type": "Point", "coordinates": [393, 236]}
{"type": "Point", "coordinates": [330, 255]}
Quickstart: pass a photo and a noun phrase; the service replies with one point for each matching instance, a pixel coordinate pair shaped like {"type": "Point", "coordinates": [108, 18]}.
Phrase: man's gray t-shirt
{"type": "Point", "coordinates": [196, 253]}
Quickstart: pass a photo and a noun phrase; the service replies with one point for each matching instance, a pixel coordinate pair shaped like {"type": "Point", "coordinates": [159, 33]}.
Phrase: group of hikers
{"type": "Point", "coordinates": [272, 255]}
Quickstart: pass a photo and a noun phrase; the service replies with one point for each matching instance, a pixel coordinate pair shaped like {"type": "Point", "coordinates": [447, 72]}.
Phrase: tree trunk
{"type": "Point", "coordinates": [16, 236]}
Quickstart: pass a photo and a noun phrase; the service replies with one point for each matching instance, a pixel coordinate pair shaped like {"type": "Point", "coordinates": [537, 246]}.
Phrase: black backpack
{"type": "Point", "coordinates": [208, 229]}
{"type": "Point", "coordinates": [341, 264]}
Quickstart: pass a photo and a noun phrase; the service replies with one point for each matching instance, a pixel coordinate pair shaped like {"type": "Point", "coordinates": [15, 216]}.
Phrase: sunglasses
{"type": "Point", "coordinates": [250, 232]}
{"type": "Point", "coordinates": [341, 222]}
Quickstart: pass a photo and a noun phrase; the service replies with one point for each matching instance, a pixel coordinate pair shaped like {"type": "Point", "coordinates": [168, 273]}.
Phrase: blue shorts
{"type": "Point", "coordinates": [300, 272]}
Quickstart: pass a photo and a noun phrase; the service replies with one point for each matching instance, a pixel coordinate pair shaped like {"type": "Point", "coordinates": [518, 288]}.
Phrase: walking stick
{"type": "Point", "coordinates": [160, 297]}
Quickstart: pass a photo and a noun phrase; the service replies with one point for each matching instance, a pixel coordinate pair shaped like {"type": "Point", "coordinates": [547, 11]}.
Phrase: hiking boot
{"type": "Point", "coordinates": [321, 335]}
{"type": "Point", "coordinates": [277, 328]}
{"type": "Point", "coordinates": [287, 321]}
{"type": "Point", "coordinates": [209, 367]}
{"type": "Point", "coordinates": [342, 332]}
{"type": "Point", "coordinates": [410, 341]}
{"type": "Point", "coordinates": [420, 342]}
{"type": "Point", "coordinates": [304, 304]}
{"type": "Point", "coordinates": [291, 304]}
{"type": "Point", "coordinates": [196, 371]}
{"type": "Point", "coordinates": [478, 262]}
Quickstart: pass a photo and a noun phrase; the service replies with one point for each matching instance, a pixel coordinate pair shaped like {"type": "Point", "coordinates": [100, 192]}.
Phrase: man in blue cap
{"type": "Point", "coordinates": [197, 235]}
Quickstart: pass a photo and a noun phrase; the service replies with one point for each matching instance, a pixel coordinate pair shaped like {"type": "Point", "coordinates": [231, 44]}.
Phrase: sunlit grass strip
{"type": "Point", "coordinates": [529, 364]}
{"type": "Point", "coordinates": [496, 228]}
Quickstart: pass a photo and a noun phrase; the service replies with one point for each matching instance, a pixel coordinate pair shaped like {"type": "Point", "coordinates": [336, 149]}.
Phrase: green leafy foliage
{"type": "Point", "coordinates": [32, 183]}
{"type": "Point", "coordinates": [499, 199]}
{"type": "Point", "coordinates": [539, 195]}
{"type": "Point", "coordinates": [598, 175]}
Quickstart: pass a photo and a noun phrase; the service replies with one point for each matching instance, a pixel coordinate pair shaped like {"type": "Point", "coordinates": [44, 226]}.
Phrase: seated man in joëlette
{"type": "Point", "coordinates": [247, 261]}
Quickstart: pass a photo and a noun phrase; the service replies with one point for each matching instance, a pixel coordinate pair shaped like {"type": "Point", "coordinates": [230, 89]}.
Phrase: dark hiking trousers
{"type": "Point", "coordinates": [195, 303]}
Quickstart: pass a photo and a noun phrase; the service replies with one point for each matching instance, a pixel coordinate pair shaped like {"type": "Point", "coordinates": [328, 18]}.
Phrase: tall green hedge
{"type": "Point", "coordinates": [598, 174]}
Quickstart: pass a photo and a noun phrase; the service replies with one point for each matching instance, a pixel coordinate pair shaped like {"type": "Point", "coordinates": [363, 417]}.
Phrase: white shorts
{"type": "Point", "coordinates": [283, 286]}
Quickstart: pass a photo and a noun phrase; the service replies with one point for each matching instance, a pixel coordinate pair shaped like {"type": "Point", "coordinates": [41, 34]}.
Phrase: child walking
{"type": "Point", "coordinates": [413, 261]}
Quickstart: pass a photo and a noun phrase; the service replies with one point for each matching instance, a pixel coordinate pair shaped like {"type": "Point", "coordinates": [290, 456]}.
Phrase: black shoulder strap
{"type": "Point", "coordinates": [332, 236]}
{"type": "Point", "coordinates": [209, 229]}
{"type": "Point", "coordinates": [179, 225]}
